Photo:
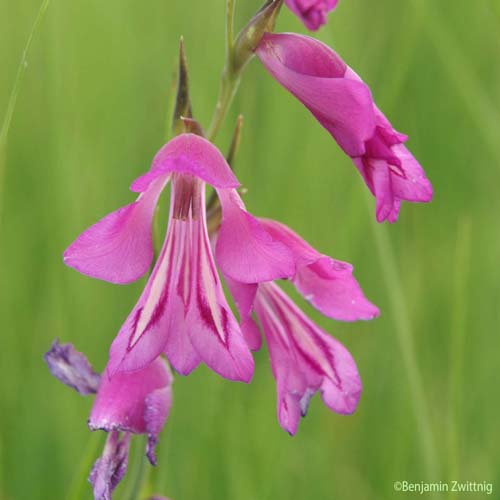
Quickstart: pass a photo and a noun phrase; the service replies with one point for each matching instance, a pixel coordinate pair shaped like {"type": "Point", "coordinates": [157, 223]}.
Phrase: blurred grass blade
{"type": "Point", "coordinates": [457, 345]}
{"type": "Point", "coordinates": [80, 487]}
{"type": "Point", "coordinates": [404, 334]}
{"type": "Point", "coordinates": [4, 132]}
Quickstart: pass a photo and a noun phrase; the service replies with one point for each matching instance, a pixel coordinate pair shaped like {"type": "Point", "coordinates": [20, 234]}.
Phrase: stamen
{"type": "Point", "coordinates": [187, 196]}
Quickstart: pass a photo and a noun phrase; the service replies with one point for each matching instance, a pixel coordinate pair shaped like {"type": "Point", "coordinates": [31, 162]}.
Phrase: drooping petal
{"type": "Point", "coordinates": [192, 155]}
{"type": "Point", "coordinates": [414, 186]}
{"type": "Point", "coordinates": [329, 285]}
{"type": "Point", "coordinates": [72, 368]}
{"type": "Point", "coordinates": [136, 402]}
{"type": "Point", "coordinates": [158, 404]}
{"type": "Point", "coordinates": [325, 282]}
{"type": "Point", "coordinates": [304, 359]}
{"type": "Point", "coordinates": [119, 247]}
{"type": "Point", "coordinates": [183, 311]}
{"type": "Point", "coordinates": [313, 13]}
{"type": "Point", "coordinates": [111, 466]}
{"type": "Point", "coordinates": [211, 326]}
{"type": "Point", "coordinates": [159, 312]}
{"type": "Point", "coordinates": [245, 251]}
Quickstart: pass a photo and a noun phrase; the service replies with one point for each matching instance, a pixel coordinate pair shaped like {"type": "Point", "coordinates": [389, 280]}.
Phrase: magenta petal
{"type": "Point", "coordinates": [384, 194]}
{"type": "Point", "coordinates": [331, 288]}
{"type": "Point", "coordinates": [315, 75]}
{"type": "Point", "coordinates": [211, 326]}
{"type": "Point", "coordinates": [154, 325]}
{"type": "Point", "coordinates": [158, 405]}
{"type": "Point", "coordinates": [414, 186]}
{"type": "Point", "coordinates": [111, 466]}
{"type": "Point", "coordinates": [72, 368]}
{"type": "Point", "coordinates": [303, 253]}
{"type": "Point", "coordinates": [313, 13]}
{"type": "Point", "coordinates": [245, 251]}
{"type": "Point", "coordinates": [122, 401]}
{"type": "Point", "coordinates": [193, 155]}
{"type": "Point", "coordinates": [304, 359]}
{"type": "Point", "coordinates": [244, 296]}
{"type": "Point", "coordinates": [327, 283]}
{"type": "Point", "coordinates": [118, 248]}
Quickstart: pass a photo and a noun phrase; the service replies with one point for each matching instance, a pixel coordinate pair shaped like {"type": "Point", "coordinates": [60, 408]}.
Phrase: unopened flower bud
{"type": "Point", "coordinates": [183, 102]}
{"type": "Point", "coordinates": [251, 35]}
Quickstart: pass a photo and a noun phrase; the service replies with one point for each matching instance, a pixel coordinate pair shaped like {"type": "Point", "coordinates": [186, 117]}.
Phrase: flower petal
{"type": "Point", "coordinates": [245, 251]}
{"type": "Point", "coordinates": [244, 296]}
{"type": "Point", "coordinates": [325, 282]}
{"type": "Point", "coordinates": [124, 401]}
{"type": "Point", "coordinates": [414, 186]}
{"type": "Point", "coordinates": [304, 359]}
{"type": "Point", "coordinates": [211, 325]}
{"type": "Point", "coordinates": [119, 247]}
{"type": "Point", "coordinates": [158, 405]}
{"type": "Point", "coordinates": [193, 155]}
{"type": "Point", "coordinates": [110, 468]}
{"type": "Point", "coordinates": [315, 75]}
{"type": "Point", "coordinates": [154, 321]}
{"type": "Point", "coordinates": [331, 288]}
{"type": "Point", "coordinates": [72, 368]}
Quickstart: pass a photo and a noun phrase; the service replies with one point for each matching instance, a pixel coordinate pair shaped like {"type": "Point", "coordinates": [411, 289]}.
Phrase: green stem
{"type": "Point", "coordinates": [229, 28]}
{"type": "Point", "coordinates": [136, 483]}
{"type": "Point", "coordinates": [457, 347]}
{"type": "Point", "coordinates": [230, 78]}
{"type": "Point", "coordinates": [228, 87]}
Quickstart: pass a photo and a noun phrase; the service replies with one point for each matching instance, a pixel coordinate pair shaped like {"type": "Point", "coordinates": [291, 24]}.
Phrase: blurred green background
{"type": "Point", "coordinates": [90, 115]}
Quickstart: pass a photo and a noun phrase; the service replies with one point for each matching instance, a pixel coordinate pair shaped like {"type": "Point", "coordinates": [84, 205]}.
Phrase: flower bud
{"type": "Point", "coordinates": [183, 102]}
{"type": "Point", "coordinates": [250, 36]}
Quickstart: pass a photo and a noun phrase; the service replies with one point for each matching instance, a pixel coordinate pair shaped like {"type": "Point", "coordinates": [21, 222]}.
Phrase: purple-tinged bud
{"type": "Point", "coordinates": [250, 36]}
{"type": "Point", "coordinates": [72, 368]}
{"type": "Point", "coordinates": [111, 466]}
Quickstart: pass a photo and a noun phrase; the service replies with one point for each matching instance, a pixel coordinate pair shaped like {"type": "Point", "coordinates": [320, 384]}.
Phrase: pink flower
{"type": "Point", "coordinates": [312, 12]}
{"type": "Point", "coordinates": [304, 358]}
{"type": "Point", "coordinates": [343, 105]}
{"type": "Point", "coordinates": [128, 403]}
{"type": "Point", "coordinates": [182, 311]}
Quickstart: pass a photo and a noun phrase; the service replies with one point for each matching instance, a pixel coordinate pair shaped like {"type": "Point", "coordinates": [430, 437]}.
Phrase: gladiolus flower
{"type": "Point", "coordinates": [128, 403]}
{"type": "Point", "coordinates": [182, 310]}
{"type": "Point", "coordinates": [312, 13]}
{"type": "Point", "coordinates": [343, 105]}
{"type": "Point", "coordinates": [305, 359]}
